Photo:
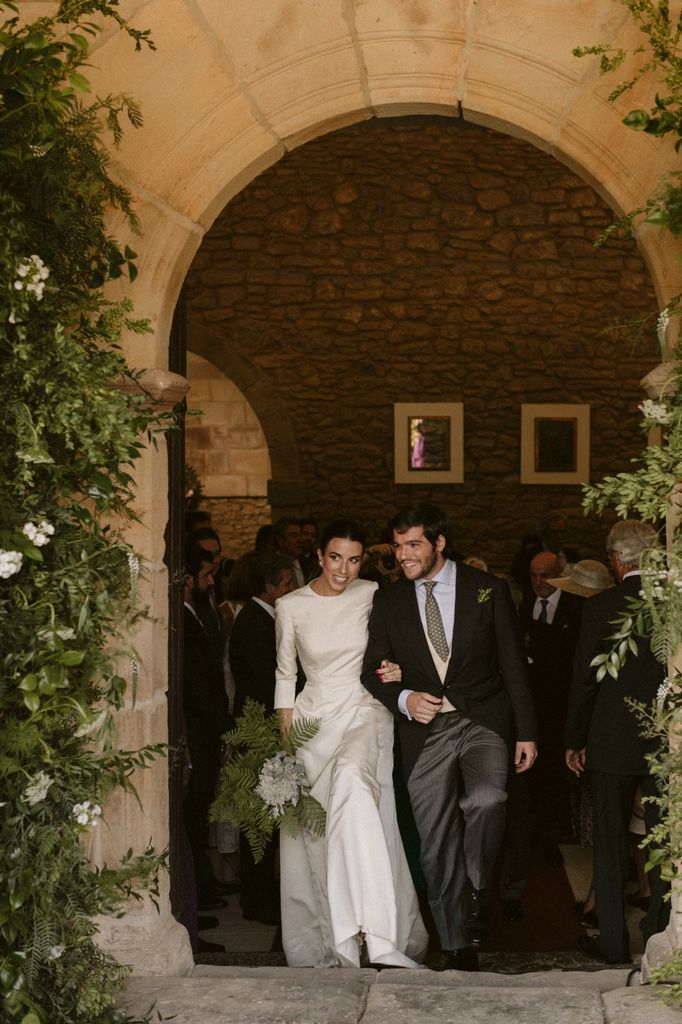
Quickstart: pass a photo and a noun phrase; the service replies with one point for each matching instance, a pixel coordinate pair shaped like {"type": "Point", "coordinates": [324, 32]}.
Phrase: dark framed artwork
{"type": "Point", "coordinates": [555, 443]}
{"type": "Point", "coordinates": [428, 442]}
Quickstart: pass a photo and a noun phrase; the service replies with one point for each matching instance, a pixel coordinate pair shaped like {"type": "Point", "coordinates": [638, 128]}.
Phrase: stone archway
{"type": "Point", "coordinates": [285, 486]}
{"type": "Point", "coordinates": [225, 97]}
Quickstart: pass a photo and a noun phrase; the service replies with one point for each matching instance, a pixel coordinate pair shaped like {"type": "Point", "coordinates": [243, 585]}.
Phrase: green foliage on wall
{"type": "Point", "coordinates": [68, 580]}
{"type": "Point", "coordinates": [652, 490]}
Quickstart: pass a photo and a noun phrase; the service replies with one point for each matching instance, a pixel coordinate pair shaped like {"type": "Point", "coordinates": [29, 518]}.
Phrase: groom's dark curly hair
{"type": "Point", "coordinates": [434, 522]}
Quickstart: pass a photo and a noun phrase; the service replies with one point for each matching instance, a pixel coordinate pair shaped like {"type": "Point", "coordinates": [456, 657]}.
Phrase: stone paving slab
{"type": "Point", "coordinates": [419, 1004]}
{"type": "Point", "coordinates": [641, 1005]}
{"type": "Point", "coordinates": [595, 981]}
{"type": "Point", "coordinates": [307, 997]}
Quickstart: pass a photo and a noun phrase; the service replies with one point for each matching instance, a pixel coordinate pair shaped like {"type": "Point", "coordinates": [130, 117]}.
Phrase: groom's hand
{"type": "Point", "coordinates": [423, 707]}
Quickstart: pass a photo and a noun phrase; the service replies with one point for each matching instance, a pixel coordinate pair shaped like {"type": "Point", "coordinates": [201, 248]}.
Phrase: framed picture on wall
{"type": "Point", "coordinates": [555, 444]}
{"type": "Point", "coordinates": [428, 442]}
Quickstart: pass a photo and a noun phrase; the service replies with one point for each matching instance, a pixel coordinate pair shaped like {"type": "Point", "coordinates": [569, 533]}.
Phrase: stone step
{"type": "Point", "coordinates": [275, 995]}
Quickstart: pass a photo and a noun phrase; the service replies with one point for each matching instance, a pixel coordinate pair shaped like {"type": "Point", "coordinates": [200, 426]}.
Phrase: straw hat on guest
{"type": "Point", "coordinates": [585, 578]}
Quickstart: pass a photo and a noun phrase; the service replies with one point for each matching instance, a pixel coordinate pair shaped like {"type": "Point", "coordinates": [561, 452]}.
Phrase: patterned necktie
{"type": "Point", "coordinates": [542, 617]}
{"type": "Point", "coordinates": [434, 623]}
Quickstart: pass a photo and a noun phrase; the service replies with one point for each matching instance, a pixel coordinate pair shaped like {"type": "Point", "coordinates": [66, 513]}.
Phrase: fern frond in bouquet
{"type": "Point", "coordinates": [263, 786]}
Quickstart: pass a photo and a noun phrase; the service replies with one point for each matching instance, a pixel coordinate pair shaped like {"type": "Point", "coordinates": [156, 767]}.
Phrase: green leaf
{"type": "Point", "coordinates": [71, 657]}
{"type": "Point", "coordinates": [29, 683]}
{"type": "Point", "coordinates": [32, 701]}
{"type": "Point", "coordinates": [79, 82]}
{"type": "Point", "coordinates": [637, 120]}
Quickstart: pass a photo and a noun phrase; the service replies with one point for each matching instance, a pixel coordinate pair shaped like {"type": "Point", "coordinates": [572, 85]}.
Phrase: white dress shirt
{"type": "Point", "coordinates": [444, 593]}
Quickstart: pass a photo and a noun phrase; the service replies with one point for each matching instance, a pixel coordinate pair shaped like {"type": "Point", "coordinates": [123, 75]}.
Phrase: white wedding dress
{"type": "Point", "coordinates": [355, 879]}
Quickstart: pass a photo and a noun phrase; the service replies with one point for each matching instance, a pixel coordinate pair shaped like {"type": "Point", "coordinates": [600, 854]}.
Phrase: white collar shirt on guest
{"type": "Point", "coordinates": [444, 593]}
{"type": "Point", "coordinates": [552, 602]}
{"type": "Point", "coordinates": [267, 607]}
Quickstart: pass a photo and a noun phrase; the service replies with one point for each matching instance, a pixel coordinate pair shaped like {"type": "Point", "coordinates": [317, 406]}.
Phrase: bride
{"type": "Point", "coordinates": [354, 884]}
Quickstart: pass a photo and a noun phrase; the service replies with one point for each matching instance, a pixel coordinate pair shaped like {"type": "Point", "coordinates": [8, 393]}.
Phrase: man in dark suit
{"type": "Point", "coordinates": [550, 536]}
{"type": "Point", "coordinates": [253, 660]}
{"type": "Point", "coordinates": [206, 712]}
{"type": "Point", "coordinates": [538, 801]}
{"type": "Point", "coordinates": [463, 706]}
{"type": "Point", "coordinates": [550, 622]}
{"type": "Point", "coordinates": [603, 735]}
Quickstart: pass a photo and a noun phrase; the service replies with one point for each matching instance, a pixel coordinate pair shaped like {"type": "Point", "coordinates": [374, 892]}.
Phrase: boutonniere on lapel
{"type": "Point", "coordinates": [484, 594]}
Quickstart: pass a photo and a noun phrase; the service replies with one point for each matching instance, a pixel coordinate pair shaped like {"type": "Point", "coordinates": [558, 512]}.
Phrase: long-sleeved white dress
{"type": "Point", "coordinates": [355, 879]}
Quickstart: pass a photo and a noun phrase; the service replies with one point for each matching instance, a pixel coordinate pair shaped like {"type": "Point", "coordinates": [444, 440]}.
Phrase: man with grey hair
{"type": "Point", "coordinates": [603, 736]}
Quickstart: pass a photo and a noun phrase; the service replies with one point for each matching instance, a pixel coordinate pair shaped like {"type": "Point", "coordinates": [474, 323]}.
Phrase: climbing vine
{"type": "Point", "coordinates": [68, 579]}
{"type": "Point", "coordinates": [652, 489]}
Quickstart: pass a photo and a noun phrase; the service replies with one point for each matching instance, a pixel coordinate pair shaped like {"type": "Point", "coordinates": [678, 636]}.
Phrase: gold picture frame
{"type": "Point", "coordinates": [555, 443]}
{"type": "Point", "coordinates": [428, 442]}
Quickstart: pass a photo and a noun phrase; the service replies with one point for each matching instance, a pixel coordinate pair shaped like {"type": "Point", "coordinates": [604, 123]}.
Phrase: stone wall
{"type": "Point", "coordinates": [426, 259]}
{"type": "Point", "coordinates": [236, 520]}
{"type": "Point", "coordinates": [224, 442]}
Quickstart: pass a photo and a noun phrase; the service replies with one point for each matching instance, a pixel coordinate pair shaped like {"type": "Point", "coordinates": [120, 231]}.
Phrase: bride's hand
{"type": "Point", "coordinates": [389, 672]}
{"type": "Point", "coordinates": [285, 717]}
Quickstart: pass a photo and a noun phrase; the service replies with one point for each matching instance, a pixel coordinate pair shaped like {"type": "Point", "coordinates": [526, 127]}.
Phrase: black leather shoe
{"type": "Point", "coordinates": [465, 959]}
{"type": "Point", "coordinates": [209, 947]}
{"type": "Point", "coordinates": [204, 924]}
{"type": "Point", "coordinates": [477, 916]}
{"type": "Point", "coordinates": [512, 910]}
{"type": "Point", "coordinates": [264, 915]}
{"type": "Point", "coordinates": [221, 889]}
{"type": "Point", "coordinates": [589, 945]}
{"type": "Point", "coordinates": [210, 903]}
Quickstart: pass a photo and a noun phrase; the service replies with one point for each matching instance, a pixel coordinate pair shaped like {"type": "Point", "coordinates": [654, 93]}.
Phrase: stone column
{"type": "Point", "coordinates": [661, 947]}
{"type": "Point", "coordinates": [152, 941]}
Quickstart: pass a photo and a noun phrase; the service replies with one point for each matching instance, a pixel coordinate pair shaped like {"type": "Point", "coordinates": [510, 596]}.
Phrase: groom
{"type": "Point", "coordinates": [463, 707]}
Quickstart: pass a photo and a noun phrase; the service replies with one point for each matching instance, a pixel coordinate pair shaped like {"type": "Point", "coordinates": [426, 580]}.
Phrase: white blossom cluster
{"type": "Point", "coordinates": [40, 534]}
{"type": "Point", "coordinates": [86, 813]}
{"type": "Point", "coordinates": [280, 782]}
{"type": "Point", "coordinates": [661, 579]}
{"type": "Point", "coordinates": [36, 791]}
{"type": "Point", "coordinates": [657, 412]}
{"type": "Point", "coordinates": [55, 952]}
{"type": "Point", "coordinates": [662, 327]}
{"type": "Point", "coordinates": [31, 276]}
{"type": "Point", "coordinates": [662, 692]}
{"type": "Point", "coordinates": [133, 568]}
{"type": "Point", "coordinates": [10, 563]}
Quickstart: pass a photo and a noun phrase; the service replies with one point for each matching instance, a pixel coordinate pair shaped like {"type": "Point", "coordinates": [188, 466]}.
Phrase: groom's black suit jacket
{"type": "Point", "coordinates": [487, 677]}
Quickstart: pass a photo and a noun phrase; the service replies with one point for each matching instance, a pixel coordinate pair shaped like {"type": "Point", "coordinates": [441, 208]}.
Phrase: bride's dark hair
{"type": "Point", "coordinates": [347, 529]}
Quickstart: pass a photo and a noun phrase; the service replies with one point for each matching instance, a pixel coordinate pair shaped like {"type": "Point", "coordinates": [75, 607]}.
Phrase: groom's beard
{"type": "Point", "coordinates": [426, 566]}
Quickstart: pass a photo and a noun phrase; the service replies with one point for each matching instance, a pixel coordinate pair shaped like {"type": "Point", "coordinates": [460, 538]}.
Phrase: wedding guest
{"type": "Point", "coordinates": [550, 536]}
{"type": "Point", "coordinates": [287, 539]}
{"type": "Point", "coordinates": [604, 736]}
{"type": "Point", "coordinates": [206, 713]}
{"type": "Point", "coordinates": [253, 660]}
{"type": "Point", "coordinates": [310, 565]}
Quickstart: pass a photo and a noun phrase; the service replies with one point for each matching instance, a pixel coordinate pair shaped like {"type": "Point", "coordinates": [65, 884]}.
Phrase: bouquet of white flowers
{"type": "Point", "coordinates": [263, 786]}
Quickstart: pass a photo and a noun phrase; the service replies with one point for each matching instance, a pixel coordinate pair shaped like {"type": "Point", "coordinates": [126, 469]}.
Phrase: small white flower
{"type": "Point", "coordinates": [36, 791]}
{"type": "Point", "coordinates": [55, 952]}
{"type": "Point", "coordinates": [11, 318]}
{"type": "Point", "coordinates": [85, 814]}
{"type": "Point", "coordinates": [32, 274]}
{"type": "Point", "coordinates": [657, 412]}
{"type": "Point", "coordinates": [40, 534]}
{"type": "Point", "coordinates": [10, 563]}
